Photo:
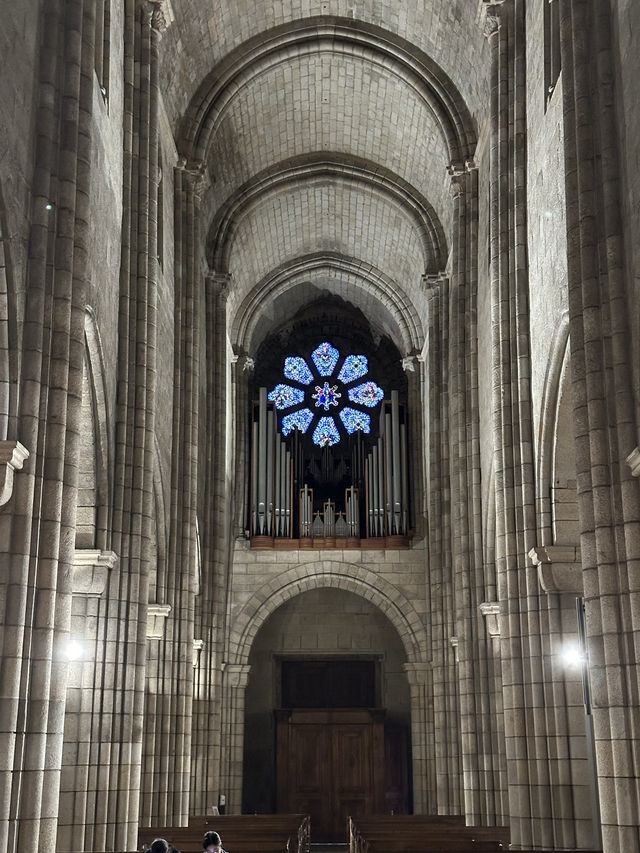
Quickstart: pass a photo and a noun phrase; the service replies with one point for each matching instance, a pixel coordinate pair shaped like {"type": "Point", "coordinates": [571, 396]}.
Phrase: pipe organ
{"type": "Point", "coordinates": [301, 493]}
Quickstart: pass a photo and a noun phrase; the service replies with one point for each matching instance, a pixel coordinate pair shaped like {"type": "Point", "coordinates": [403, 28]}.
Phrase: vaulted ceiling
{"type": "Point", "coordinates": [327, 130]}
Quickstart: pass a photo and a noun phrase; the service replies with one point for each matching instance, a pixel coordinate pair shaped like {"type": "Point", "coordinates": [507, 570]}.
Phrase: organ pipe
{"type": "Point", "coordinates": [397, 470]}
{"type": "Point", "coordinates": [388, 470]}
{"type": "Point", "coordinates": [262, 460]}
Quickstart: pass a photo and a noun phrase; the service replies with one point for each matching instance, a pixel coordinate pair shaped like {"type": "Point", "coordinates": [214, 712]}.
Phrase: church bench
{"type": "Point", "coordinates": [423, 834]}
{"type": "Point", "coordinates": [240, 833]}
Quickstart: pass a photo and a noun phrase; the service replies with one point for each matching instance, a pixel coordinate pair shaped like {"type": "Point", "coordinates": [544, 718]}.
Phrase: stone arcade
{"type": "Point", "coordinates": [214, 531]}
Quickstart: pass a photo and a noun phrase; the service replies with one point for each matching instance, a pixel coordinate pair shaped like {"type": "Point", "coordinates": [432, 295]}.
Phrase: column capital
{"type": "Point", "coordinates": [489, 17]}
{"type": "Point", "coordinates": [156, 618]}
{"type": "Point", "coordinates": [491, 612]}
{"type": "Point", "coordinates": [432, 282]}
{"type": "Point", "coordinates": [559, 568]}
{"type": "Point", "coordinates": [236, 674]}
{"type": "Point", "coordinates": [198, 646]}
{"type": "Point", "coordinates": [220, 283]}
{"type": "Point", "coordinates": [91, 569]}
{"type": "Point", "coordinates": [12, 457]}
{"type": "Point", "coordinates": [417, 672]}
{"type": "Point", "coordinates": [454, 643]}
{"type": "Point", "coordinates": [633, 461]}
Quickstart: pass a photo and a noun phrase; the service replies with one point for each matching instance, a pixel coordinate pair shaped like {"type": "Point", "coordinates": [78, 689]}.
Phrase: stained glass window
{"type": "Point", "coordinates": [284, 396]}
{"type": "Point", "coordinates": [325, 357]}
{"type": "Point", "coordinates": [297, 420]}
{"type": "Point", "coordinates": [354, 420]}
{"type": "Point", "coordinates": [326, 433]}
{"type": "Point", "coordinates": [297, 369]}
{"type": "Point", "coordinates": [367, 394]}
{"type": "Point", "coordinates": [353, 368]}
{"type": "Point", "coordinates": [327, 395]}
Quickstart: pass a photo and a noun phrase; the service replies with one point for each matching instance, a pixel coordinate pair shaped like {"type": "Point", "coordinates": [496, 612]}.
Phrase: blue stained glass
{"type": "Point", "coordinates": [297, 420]}
{"type": "Point", "coordinates": [284, 396]}
{"type": "Point", "coordinates": [353, 368]}
{"type": "Point", "coordinates": [366, 394]}
{"type": "Point", "coordinates": [326, 433]}
{"type": "Point", "coordinates": [296, 368]}
{"type": "Point", "coordinates": [325, 357]}
{"type": "Point", "coordinates": [326, 396]}
{"type": "Point", "coordinates": [354, 420]}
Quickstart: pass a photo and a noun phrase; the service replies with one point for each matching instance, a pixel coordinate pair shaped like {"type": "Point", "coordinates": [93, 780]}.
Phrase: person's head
{"type": "Point", "coordinates": [160, 846]}
{"type": "Point", "coordinates": [211, 843]}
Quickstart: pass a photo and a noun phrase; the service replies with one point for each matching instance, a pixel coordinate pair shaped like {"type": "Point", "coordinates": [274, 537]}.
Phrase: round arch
{"type": "Point", "coordinates": [400, 318]}
{"type": "Point", "coordinates": [327, 573]}
{"type": "Point", "coordinates": [338, 167]}
{"type": "Point", "coordinates": [368, 41]}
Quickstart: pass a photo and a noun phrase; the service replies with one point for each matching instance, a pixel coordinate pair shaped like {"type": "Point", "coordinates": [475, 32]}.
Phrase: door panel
{"type": "Point", "coordinates": [330, 765]}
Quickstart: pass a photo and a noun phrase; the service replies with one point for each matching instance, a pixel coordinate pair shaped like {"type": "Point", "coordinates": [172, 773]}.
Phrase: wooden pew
{"type": "Point", "coordinates": [423, 834]}
{"type": "Point", "coordinates": [240, 833]}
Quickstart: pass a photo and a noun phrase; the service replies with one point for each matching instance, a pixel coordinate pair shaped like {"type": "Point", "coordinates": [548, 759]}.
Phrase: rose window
{"type": "Point", "coordinates": [319, 394]}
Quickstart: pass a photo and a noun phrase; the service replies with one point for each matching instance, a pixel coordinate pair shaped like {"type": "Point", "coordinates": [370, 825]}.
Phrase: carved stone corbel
{"type": "Point", "coordinates": [12, 457]}
{"type": "Point", "coordinates": [559, 568]}
{"type": "Point", "coordinates": [491, 612]}
{"type": "Point", "coordinates": [91, 569]}
{"type": "Point", "coordinates": [156, 618]}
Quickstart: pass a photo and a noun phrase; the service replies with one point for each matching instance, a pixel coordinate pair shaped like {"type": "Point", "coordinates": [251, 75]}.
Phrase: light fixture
{"type": "Point", "coordinates": [573, 656]}
{"type": "Point", "coordinates": [73, 650]}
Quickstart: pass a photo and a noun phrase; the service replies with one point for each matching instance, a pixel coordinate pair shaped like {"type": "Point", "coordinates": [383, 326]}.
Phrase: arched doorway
{"type": "Point", "coordinates": [327, 712]}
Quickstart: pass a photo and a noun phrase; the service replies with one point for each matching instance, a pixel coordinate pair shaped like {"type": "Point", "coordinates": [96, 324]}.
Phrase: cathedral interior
{"type": "Point", "coordinates": [319, 416]}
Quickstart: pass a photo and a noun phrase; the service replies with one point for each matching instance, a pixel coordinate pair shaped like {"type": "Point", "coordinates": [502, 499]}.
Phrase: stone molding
{"type": "Point", "coordinates": [559, 568]}
{"type": "Point", "coordinates": [633, 461]}
{"type": "Point", "coordinates": [417, 673]}
{"type": "Point", "coordinates": [236, 674]}
{"type": "Point", "coordinates": [91, 569]}
{"type": "Point", "coordinates": [198, 646]}
{"type": "Point", "coordinates": [156, 618]}
{"type": "Point", "coordinates": [491, 612]}
{"type": "Point", "coordinates": [12, 457]}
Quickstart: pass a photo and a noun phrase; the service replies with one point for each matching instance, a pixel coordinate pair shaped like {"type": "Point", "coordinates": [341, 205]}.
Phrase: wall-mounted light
{"type": "Point", "coordinates": [73, 650]}
{"type": "Point", "coordinates": [573, 655]}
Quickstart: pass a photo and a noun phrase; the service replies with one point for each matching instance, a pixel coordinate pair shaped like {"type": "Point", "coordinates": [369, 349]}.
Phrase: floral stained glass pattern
{"type": "Point", "coordinates": [297, 420]}
{"type": "Point", "coordinates": [329, 395]}
{"type": "Point", "coordinates": [326, 433]}
{"type": "Point", "coordinates": [354, 367]}
{"type": "Point", "coordinates": [297, 369]}
{"type": "Point", "coordinates": [326, 396]}
{"type": "Point", "coordinates": [325, 357]}
{"type": "Point", "coordinates": [367, 394]}
{"type": "Point", "coordinates": [284, 396]}
{"type": "Point", "coordinates": [354, 420]}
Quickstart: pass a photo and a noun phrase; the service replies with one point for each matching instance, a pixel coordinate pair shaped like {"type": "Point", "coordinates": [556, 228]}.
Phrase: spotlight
{"type": "Point", "coordinates": [73, 650]}
{"type": "Point", "coordinates": [573, 655]}
{"type": "Point", "coordinates": [48, 206]}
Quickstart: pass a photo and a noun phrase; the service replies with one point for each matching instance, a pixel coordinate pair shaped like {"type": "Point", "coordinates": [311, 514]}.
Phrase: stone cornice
{"type": "Point", "coordinates": [12, 457]}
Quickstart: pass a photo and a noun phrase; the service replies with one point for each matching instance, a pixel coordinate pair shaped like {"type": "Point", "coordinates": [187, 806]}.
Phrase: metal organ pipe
{"type": "Point", "coordinates": [388, 470]}
{"type": "Point", "coordinates": [262, 460]}
{"type": "Point", "coordinates": [270, 453]}
{"type": "Point", "coordinates": [254, 477]}
{"type": "Point", "coordinates": [277, 476]}
{"type": "Point", "coordinates": [405, 480]}
{"type": "Point", "coordinates": [397, 470]}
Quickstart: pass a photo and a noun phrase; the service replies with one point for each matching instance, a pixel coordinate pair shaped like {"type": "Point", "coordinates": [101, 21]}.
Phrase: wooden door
{"type": "Point", "coordinates": [330, 765]}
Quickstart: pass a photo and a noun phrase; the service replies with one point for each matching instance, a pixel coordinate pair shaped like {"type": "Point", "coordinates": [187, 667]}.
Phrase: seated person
{"type": "Point", "coordinates": [212, 843]}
